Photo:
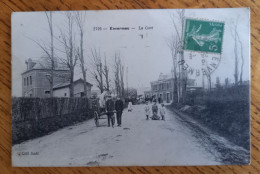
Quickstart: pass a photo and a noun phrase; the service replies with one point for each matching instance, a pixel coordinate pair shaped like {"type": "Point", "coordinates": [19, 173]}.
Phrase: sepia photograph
{"type": "Point", "coordinates": [162, 87]}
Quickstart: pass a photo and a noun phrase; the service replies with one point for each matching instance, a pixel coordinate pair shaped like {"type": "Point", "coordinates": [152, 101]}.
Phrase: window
{"type": "Point", "coordinates": [47, 92]}
{"type": "Point", "coordinates": [65, 94]}
{"type": "Point", "coordinates": [27, 81]}
{"type": "Point", "coordinates": [30, 80]}
{"type": "Point", "coordinates": [24, 81]}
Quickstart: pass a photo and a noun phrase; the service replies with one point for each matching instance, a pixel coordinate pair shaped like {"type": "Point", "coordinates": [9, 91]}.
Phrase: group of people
{"type": "Point", "coordinates": [158, 111]}
{"type": "Point", "coordinates": [113, 107]}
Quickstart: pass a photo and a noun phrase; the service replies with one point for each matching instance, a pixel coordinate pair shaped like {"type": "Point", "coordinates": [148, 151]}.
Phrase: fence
{"type": "Point", "coordinates": [34, 117]}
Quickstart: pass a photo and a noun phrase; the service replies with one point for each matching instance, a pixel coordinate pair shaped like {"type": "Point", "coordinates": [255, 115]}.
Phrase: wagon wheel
{"type": "Point", "coordinates": [96, 118]}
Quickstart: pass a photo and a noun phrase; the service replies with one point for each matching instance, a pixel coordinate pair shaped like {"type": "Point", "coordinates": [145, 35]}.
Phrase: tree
{"type": "Point", "coordinates": [49, 51]}
{"type": "Point", "coordinates": [218, 85]}
{"type": "Point", "coordinates": [106, 75]}
{"type": "Point", "coordinates": [72, 54]}
{"type": "Point", "coordinates": [97, 68]}
{"type": "Point", "coordinates": [242, 58]}
{"type": "Point", "coordinates": [80, 20]}
{"type": "Point", "coordinates": [226, 82]}
{"type": "Point", "coordinates": [173, 45]}
{"type": "Point", "coordinates": [182, 74]}
{"type": "Point", "coordinates": [233, 30]}
{"type": "Point", "coordinates": [119, 75]}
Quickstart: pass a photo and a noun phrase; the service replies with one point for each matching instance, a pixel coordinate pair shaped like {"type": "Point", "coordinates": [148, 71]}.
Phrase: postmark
{"type": "Point", "coordinates": [202, 46]}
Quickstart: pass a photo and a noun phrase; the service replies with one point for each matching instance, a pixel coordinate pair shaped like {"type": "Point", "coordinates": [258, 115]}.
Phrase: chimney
{"type": "Point", "coordinates": [29, 63]}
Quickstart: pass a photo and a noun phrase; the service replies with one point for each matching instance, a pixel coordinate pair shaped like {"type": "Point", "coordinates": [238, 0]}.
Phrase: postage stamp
{"type": "Point", "coordinates": [204, 36]}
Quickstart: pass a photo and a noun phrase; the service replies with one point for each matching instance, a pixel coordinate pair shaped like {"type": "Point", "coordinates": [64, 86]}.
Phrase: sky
{"type": "Point", "coordinates": [144, 52]}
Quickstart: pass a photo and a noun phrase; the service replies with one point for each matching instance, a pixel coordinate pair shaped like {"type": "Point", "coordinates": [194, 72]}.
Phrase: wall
{"type": "Point", "coordinates": [61, 92]}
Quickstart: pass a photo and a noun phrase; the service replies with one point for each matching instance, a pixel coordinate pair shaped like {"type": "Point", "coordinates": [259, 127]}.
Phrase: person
{"type": "Point", "coordinates": [102, 100]}
{"type": "Point", "coordinates": [110, 110]}
{"type": "Point", "coordinates": [159, 100]}
{"type": "Point", "coordinates": [119, 106]}
{"type": "Point", "coordinates": [130, 106]}
{"type": "Point", "coordinates": [162, 111]}
{"type": "Point", "coordinates": [147, 110]}
{"type": "Point", "coordinates": [155, 111]}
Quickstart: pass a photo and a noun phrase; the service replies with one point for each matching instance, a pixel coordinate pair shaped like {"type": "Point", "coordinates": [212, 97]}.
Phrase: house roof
{"type": "Point", "coordinates": [66, 84]}
{"type": "Point", "coordinates": [42, 64]}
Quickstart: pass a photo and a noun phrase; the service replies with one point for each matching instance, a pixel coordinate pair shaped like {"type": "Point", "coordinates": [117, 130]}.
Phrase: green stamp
{"type": "Point", "coordinates": [203, 36]}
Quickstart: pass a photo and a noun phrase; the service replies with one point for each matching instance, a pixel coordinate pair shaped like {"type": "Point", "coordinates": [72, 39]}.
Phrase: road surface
{"type": "Point", "coordinates": [137, 142]}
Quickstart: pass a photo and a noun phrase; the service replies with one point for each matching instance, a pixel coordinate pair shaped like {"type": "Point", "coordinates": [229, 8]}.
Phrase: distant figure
{"type": "Point", "coordinates": [159, 100]}
{"type": "Point", "coordinates": [102, 100]}
{"type": "Point", "coordinates": [130, 106]}
{"type": "Point", "coordinates": [147, 110]}
{"type": "Point", "coordinates": [110, 110]}
{"type": "Point", "coordinates": [155, 112]}
{"type": "Point", "coordinates": [119, 106]}
{"type": "Point", "coordinates": [162, 111]}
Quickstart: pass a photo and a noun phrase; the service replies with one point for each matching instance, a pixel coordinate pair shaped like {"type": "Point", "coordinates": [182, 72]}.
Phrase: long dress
{"type": "Point", "coordinates": [130, 106]}
{"type": "Point", "coordinates": [155, 112]}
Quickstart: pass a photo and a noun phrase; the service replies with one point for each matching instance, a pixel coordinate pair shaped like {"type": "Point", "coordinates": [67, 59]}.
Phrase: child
{"type": "Point", "coordinates": [162, 111]}
{"type": "Point", "coordinates": [155, 111]}
{"type": "Point", "coordinates": [130, 107]}
{"type": "Point", "coordinates": [147, 110]}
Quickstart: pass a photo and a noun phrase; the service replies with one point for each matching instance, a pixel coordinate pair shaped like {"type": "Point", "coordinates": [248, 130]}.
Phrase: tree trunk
{"type": "Point", "coordinates": [71, 84]}
{"type": "Point", "coordinates": [83, 64]}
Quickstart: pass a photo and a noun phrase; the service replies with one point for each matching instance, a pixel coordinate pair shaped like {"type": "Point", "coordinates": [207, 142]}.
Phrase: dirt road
{"type": "Point", "coordinates": [137, 142]}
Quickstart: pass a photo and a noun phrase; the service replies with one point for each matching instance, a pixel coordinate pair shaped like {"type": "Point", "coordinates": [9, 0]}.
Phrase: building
{"type": "Point", "coordinates": [62, 89]}
{"type": "Point", "coordinates": [36, 80]}
{"type": "Point", "coordinates": [148, 94]}
{"type": "Point", "coordinates": [163, 87]}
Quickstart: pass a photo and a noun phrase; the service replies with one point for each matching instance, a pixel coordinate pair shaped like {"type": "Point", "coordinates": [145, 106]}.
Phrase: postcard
{"type": "Point", "coordinates": [161, 87]}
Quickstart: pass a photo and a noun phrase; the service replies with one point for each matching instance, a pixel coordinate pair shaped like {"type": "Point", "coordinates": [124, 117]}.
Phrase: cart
{"type": "Point", "coordinates": [102, 115]}
{"type": "Point", "coordinates": [99, 113]}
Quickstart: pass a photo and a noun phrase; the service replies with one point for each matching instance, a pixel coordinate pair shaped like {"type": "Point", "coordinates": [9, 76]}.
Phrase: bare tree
{"type": "Point", "coordinates": [51, 62]}
{"type": "Point", "coordinates": [119, 75]}
{"type": "Point", "coordinates": [182, 76]}
{"type": "Point", "coordinates": [208, 75]}
{"type": "Point", "coordinates": [242, 58]}
{"type": "Point", "coordinates": [218, 85]}
{"type": "Point", "coordinates": [226, 82]}
{"type": "Point", "coordinates": [97, 68]}
{"type": "Point", "coordinates": [173, 45]}
{"type": "Point", "coordinates": [121, 71]}
{"type": "Point", "coordinates": [237, 50]}
{"type": "Point", "coordinates": [106, 74]}
{"type": "Point", "coordinates": [68, 41]}
{"type": "Point", "coordinates": [80, 20]}
{"type": "Point", "coordinates": [234, 35]}
{"type": "Point", "coordinates": [116, 73]}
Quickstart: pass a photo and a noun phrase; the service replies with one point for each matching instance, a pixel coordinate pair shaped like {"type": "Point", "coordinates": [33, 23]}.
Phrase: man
{"type": "Point", "coordinates": [119, 110]}
{"type": "Point", "coordinates": [110, 110]}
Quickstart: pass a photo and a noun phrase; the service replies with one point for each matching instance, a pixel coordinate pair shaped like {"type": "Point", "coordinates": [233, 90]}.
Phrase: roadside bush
{"type": "Point", "coordinates": [223, 110]}
{"type": "Point", "coordinates": [35, 117]}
